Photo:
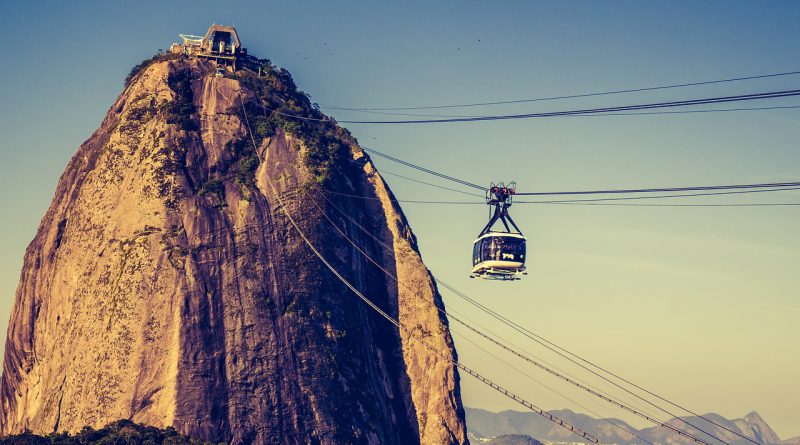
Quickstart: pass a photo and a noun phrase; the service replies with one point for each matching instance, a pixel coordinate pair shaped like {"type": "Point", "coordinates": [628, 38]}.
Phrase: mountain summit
{"type": "Point", "coordinates": [166, 285]}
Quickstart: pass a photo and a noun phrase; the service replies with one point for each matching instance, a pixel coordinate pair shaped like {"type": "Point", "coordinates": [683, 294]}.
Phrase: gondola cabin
{"type": "Point", "coordinates": [499, 256]}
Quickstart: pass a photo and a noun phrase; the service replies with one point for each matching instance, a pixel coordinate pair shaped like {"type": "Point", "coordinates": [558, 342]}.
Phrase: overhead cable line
{"type": "Point", "coordinates": [713, 110]}
{"type": "Point", "coordinates": [571, 96]}
{"type": "Point", "coordinates": [640, 113]}
{"type": "Point", "coordinates": [549, 345]}
{"type": "Point", "coordinates": [591, 201]}
{"type": "Point", "coordinates": [673, 195]}
{"type": "Point", "coordinates": [523, 356]}
{"type": "Point", "coordinates": [561, 351]}
{"type": "Point", "coordinates": [665, 189]}
{"type": "Point", "coordinates": [422, 169]}
{"type": "Point", "coordinates": [769, 186]}
{"type": "Point", "coordinates": [585, 111]}
{"type": "Point", "coordinates": [775, 185]}
{"type": "Point", "coordinates": [531, 378]}
{"type": "Point", "coordinates": [754, 204]}
{"type": "Point", "coordinates": [591, 391]}
{"type": "Point", "coordinates": [449, 358]}
{"type": "Point", "coordinates": [526, 374]}
{"type": "Point", "coordinates": [386, 172]}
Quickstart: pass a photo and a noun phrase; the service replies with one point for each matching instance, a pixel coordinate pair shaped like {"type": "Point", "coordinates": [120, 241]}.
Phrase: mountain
{"type": "Point", "coordinates": [487, 424]}
{"type": "Point", "coordinates": [512, 439]}
{"type": "Point", "coordinates": [751, 426]}
{"type": "Point", "coordinates": [166, 284]}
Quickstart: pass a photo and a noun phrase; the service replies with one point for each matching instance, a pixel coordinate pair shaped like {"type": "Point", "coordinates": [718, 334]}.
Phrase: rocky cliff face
{"type": "Point", "coordinates": [165, 284]}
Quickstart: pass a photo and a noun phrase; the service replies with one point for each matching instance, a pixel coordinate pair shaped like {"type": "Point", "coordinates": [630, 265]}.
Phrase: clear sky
{"type": "Point", "coordinates": [699, 304]}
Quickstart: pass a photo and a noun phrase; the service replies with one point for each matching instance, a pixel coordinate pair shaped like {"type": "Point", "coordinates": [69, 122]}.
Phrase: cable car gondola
{"type": "Point", "coordinates": [499, 255]}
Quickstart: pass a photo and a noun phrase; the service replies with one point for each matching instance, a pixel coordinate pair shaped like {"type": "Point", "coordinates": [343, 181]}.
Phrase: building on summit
{"type": "Point", "coordinates": [220, 44]}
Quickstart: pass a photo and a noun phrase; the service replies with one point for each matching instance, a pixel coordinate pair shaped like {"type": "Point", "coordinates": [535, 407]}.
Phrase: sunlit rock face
{"type": "Point", "coordinates": [166, 285]}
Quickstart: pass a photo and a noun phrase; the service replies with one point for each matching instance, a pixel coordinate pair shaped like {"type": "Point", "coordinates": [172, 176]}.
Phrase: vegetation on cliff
{"type": "Point", "coordinates": [180, 110]}
{"type": "Point", "coordinates": [280, 105]}
{"type": "Point", "coordinates": [290, 109]}
{"type": "Point", "coordinates": [141, 66]}
{"type": "Point", "coordinates": [119, 432]}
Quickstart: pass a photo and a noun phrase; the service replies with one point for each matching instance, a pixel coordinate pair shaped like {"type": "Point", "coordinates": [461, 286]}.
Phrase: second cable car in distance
{"type": "Point", "coordinates": [498, 255]}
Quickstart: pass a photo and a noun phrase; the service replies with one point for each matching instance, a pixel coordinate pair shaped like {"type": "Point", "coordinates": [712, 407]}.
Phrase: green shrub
{"type": "Point", "coordinates": [264, 128]}
{"type": "Point", "coordinates": [141, 66]}
{"type": "Point", "coordinates": [292, 127]}
{"type": "Point", "coordinates": [138, 69]}
{"type": "Point", "coordinates": [213, 187]}
{"type": "Point", "coordinates": [179, 110]}
{"type": "Point", "coordinates": [246, 175]}
{"type": "Point", "coordinates": [327, 144]}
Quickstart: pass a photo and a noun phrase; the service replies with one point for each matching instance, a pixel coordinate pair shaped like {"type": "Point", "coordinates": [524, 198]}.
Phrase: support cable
{"type": "Point", "coordinates": [422, 169]}
{"type": "Point", "coordinates": [679, 195]}
{"type": "Point", "coordinates": [635, 113]}
{"type": "Point", "coordinates": [603, 114]}
{"type": "Point", "coordinates": [577, 112]}
{"type": "Point", "coordinates": [665, 189]}
{"type": "Point", "coordinates": [386, 172]}
{"type": "Point", "coordinates": [557, 349]}
{"type": "Point", "coordinates": [594, 200]}
{"type": "Point", "coordinates": [571, 96]}
{"type": "Point", "coordinates": [774, 185]}
{"type": "Point", "coordinates": [531, 378]}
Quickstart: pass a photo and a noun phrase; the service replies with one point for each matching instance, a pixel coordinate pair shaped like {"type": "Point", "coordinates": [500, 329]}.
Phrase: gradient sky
{"type": "Point", "coordinates": [698, 304]}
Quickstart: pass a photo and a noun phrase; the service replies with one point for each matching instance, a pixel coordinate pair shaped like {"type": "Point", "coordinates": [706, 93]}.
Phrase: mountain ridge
{"type": "Point", "coordinates": [487, 424]}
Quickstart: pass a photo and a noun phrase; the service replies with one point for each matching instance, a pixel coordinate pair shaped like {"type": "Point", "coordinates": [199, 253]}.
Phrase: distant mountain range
{"type": "Point", "coordinates": [506, 439]}
{"type": "Point", "coordinates": [515, 427]}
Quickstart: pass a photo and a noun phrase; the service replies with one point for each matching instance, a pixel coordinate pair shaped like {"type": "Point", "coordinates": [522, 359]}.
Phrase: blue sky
{"type": "Point", "coordinates": [699, 304]}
